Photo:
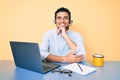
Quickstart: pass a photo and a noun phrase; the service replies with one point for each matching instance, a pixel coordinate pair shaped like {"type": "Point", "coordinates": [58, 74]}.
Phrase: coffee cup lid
{"type": "Point", "coordinates": [98, 55]}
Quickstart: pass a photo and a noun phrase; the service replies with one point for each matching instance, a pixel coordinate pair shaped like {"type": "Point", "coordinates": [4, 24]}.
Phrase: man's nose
{"type": "Point", "coordinates": [62, 20]}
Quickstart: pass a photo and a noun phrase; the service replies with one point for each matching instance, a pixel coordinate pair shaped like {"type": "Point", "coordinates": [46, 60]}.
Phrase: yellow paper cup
{"type": "Point", "coordinates": [98, 60]}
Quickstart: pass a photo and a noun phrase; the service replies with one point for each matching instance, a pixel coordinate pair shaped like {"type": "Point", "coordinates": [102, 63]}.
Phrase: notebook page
{"type": "Point", "coordinates": [75, 68]}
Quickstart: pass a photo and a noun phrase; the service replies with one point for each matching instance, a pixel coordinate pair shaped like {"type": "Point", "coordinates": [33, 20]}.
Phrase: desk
{"type": "Point", "coordinates": [110, 71]}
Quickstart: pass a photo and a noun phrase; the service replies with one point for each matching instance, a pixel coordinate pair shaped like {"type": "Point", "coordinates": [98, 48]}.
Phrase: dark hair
{"type": "Point", "coordinates": [62, 9]}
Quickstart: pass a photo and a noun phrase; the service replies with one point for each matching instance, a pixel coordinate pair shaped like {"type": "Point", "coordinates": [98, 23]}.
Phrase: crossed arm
{"type": "Point", "coordinates": [70, 57]}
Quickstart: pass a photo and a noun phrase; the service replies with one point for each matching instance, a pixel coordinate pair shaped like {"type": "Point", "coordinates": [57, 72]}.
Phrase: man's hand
{"type": "Point", "coordinates": [72, 58]}
{"type": "Point", "coordinates": [62, 31]}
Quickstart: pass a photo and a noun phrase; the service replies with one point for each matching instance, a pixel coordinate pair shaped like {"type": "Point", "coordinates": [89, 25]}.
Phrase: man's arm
{"type": "Point", "coordinates": [70, 58]}
{"type": "Point", "coordinates": [70, 43]}
{"type": "Point", "coordinates": [55, 58]}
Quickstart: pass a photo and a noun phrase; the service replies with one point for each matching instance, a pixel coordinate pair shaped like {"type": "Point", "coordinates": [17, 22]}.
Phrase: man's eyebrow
{"type": "Point", "coordinates": [63, 17]}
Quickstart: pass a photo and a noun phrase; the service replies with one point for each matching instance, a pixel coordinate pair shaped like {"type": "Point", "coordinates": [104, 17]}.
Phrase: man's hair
{"type": "Point", "coordinates": [62, 9]}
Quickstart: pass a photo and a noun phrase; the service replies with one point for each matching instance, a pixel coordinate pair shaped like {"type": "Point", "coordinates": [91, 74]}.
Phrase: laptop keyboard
{"type": "Point", "coordinates": [47, 66]}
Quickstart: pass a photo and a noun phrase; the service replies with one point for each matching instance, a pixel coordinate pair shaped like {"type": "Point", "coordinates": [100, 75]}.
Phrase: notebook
{"type": "Point", "coordinates": [75, 68]}
{"type": "Point", "coordinates": [27, 55]}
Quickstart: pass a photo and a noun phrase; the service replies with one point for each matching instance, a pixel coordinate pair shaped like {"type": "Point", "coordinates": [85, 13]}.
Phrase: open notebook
{"type": "Point", "coordinates": [75, 68]}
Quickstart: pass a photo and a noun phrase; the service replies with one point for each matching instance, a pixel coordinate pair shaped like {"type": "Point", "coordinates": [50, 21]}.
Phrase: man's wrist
{"type": "Point", "coordinates": [65, 36]}
{"type": "Point", "coordinates": [63, 59]}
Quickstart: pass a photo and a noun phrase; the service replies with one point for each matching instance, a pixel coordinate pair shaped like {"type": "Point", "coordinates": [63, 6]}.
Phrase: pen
{"type": "Point", "coordinates": [80, 67]}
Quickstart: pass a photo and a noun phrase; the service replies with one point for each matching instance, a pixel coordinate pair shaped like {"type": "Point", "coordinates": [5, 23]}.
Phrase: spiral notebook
{"type": "Point", "coordinates": [75, 68]}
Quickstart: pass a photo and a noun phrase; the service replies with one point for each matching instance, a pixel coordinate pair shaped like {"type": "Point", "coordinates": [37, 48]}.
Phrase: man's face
{"type": "Point", "coordinates": [62, 19]}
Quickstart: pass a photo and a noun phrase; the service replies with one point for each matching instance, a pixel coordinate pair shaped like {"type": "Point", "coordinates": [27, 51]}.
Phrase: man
{"type": "Point", "coordinates": [62, 44]}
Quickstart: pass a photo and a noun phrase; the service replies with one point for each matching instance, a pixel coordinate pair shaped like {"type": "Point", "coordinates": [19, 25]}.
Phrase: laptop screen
{"type": "Point", "coordinates": [27, 55]}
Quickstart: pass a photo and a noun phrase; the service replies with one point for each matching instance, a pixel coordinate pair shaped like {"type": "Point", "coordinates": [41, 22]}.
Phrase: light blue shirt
{"type": "Point", "coordinates": [56, 45]}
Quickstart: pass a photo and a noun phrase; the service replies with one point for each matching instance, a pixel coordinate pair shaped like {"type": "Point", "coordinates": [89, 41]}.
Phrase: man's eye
{"type": "Point", "coordinates": [66, 18]}
{"type": "Point", "coordinates": [58, 17]}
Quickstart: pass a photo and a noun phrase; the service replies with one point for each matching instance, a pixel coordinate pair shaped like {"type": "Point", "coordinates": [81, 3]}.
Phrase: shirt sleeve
{"type": "Point", "coordinates": [44, 46]}
{"type": "Point", "coordinates": [80, 45]}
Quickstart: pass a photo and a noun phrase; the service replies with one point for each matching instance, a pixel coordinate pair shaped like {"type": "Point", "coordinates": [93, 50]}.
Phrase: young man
{"type": "Point", "coordinates": [62, 44]}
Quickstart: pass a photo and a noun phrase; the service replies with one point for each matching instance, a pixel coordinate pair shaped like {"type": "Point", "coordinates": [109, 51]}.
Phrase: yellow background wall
{"type": "Point", "coordinates": [98, 21]}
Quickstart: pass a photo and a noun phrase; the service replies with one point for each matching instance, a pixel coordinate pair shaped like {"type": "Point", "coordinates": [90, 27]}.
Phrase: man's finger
{"type": "Point", "coordinates": [77, 56]}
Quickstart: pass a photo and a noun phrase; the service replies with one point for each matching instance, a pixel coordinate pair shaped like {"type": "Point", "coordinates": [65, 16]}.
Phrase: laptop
{"type": "Point", "coordinates": [27, 55]}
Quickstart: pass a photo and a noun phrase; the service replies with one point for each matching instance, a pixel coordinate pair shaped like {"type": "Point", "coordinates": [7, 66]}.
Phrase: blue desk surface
{"type": "Point", "coordinates": [110, 71]}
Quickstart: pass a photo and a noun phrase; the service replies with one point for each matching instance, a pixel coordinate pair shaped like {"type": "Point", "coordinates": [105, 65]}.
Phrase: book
{"type": "Point", "coordinates": [81, 69]}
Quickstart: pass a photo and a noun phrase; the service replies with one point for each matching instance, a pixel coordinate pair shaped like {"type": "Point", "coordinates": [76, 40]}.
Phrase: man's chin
{"type": "Point", "coordinates": [62, 26]}
{"type": "Point", "coordinates": [67, 27]}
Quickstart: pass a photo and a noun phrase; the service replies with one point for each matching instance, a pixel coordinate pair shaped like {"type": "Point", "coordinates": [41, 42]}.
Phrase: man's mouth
{"type": "Point", "coordinates": [62, 25]}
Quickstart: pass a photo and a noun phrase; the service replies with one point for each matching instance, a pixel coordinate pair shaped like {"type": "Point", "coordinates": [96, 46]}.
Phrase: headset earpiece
{"type": "Point", "coordinates": [71, 21]}
{"type": "Point", "coordinates": [54, 21]}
